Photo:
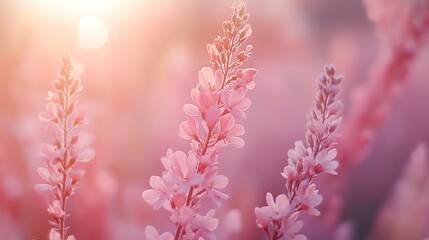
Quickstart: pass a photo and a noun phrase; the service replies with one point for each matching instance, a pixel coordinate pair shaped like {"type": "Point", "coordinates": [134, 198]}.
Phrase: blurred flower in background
{"type": "Point", "coordinates": [138, 60]}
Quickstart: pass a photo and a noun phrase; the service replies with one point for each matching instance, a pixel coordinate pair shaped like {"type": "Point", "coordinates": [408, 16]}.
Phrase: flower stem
{"type": "Point", "coordinates": [64, 164]}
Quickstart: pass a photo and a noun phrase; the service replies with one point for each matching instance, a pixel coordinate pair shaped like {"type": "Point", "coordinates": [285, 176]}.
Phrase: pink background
{"type": "Point", "coordinates": [135, 87]}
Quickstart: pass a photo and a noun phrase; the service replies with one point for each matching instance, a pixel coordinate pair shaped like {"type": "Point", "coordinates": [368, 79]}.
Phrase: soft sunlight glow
{"type": "Point", "coordinates": [92, 32]}
{"type": "Point", "coordinates": [78, 6]}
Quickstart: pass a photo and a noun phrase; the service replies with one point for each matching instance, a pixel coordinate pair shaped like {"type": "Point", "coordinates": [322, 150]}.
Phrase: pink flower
{"type": "Point", "coordinates": [152, 234]}
{"type": "Point", "coordinates": [291, 226]}
{"type": "Point", "coordinates": [298, 153]}
{"type": "Point", "coordinates": [79, 150]}
{"type": "Point", "coordinates": [50, 175]}
{"type": "Point", "coordinates": [235, 102]}
{"type": "Point", "coordinates": [189, 129]}
{"type": "Point", "coordinates": [50, 152]}
{"type": "Point", "coordinates": [291, 174]}
{"type": "Point", "coordinates": [274, 210]}
{"type": "Point", "coordinates": [181, 170]}
{"type": "Point", "coordinates": [159, 194]}
{"type": "Point", "coordinates": [229, 131]}
{"type": "Point", "coordinates": [183, 216]}
{"type": "Point", "coordinates": [51, 114]}
{"type": "Point", "coordinates": [245, 77]}
{"type": "Point", "coordinates": [215, 182]}
{"type": "Point", "coordinates": [54, 235]}
{"type": "Point", "coordinates": [206, 106]}
{"type": "Point", "coordinates": [308, 198]}
{"type": "Point", "coordinates": [203, 101]}
{"type": "Point", "coordinates": [204, 225]}
{"type": "Point", "coordinates": [56, 210]}
{"type": "Point", "coordinates": [325, 162]}
{"type": "Point", "coordinates": [209, 82]}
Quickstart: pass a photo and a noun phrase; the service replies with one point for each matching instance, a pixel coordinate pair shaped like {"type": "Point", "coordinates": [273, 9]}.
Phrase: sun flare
{"type": "Point", "coordinates": [92, 32]}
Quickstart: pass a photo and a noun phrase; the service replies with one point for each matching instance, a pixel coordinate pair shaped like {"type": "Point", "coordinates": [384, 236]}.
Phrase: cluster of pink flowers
{"type": "Point", "coordinates": [218, 102]}
{"type": "Point", "coordinates": [279, 219]}
{"type": "Point", "coordinates": [66, 148]}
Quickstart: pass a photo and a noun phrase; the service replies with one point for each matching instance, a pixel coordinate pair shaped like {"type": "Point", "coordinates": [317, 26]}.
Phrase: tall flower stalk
{"type": "Point", "coordinates": [279, 219]}
{"type": "Point", "coordinates": [218, 103]}
{"type": "Point", "coordinates": [67, 147]}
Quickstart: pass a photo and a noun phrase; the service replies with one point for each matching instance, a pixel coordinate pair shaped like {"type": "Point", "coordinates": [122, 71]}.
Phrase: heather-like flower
{"type": "Point", "coordinates": [66, 149]}
{"type": "Point", "coordinates": [279, 219]}
{"type": "Point", "coordinates": [218, 103]}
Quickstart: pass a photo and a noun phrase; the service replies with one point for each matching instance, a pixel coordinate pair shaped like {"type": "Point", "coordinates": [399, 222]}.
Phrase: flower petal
{"type": "Point", "coordinates": [191, 110]}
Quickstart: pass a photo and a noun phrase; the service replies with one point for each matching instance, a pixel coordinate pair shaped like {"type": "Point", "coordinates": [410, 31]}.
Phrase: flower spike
{"type": "Point", "coordinates": [66, 149]}
{"type": "Point", "coordinates": [279, 219]}
{"type": "Point", "coordinates": [218, 104]}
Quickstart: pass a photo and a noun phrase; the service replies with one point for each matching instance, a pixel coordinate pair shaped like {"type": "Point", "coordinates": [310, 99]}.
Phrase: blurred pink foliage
{"type": "Point", "coordinates": [66, 148]}
{"type": "Point", "coordinates": [219, 101]}
{"type": "Point", "coordinates": [403, 25]}
{"type": "Point", "coordinates": [279, 219]}
{"type": "Point", "coordinates": [405, 214]}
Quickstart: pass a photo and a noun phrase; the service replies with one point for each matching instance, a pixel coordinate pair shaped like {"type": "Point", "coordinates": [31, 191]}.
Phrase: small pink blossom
{"type": "Point", "coordinates": [54, 235]}
{"type": "Point", "coordinates": [56, 210]}
{"type": "Point", "coordinates": [159, 193]}
{"type": "Point", "coordinates": [209, 82]}
{"type": "Point", "coordinates": [298, 153]}
{"type": "Point", "coordinates": [181, 170]}
{"type": "Point", "coordinates": [291, 226]}
{"type": "Point", "coordinates": [183, 216]}
{"type": "Point", "coordinates": [203, 101]}
{"type": "Point", "coordinates": [230, 132]}
{"type": "Point", "coordinates": [235, 102]}
{"type": "Point", "coordinates": [274, 210]}
{"type": "Point", "coordinates": [308, 198]}
{"type": "Point", "coordinates": [152, 234]}
{"type": "Point", "coordinates": [71, 237]}
{"type": "Point", "coordinates": [212, 186]}
{"type": "Point", "coordinates": [245, 77]}
{"type": "Point", "coordinates": [189, 129]}
{"type": "Point", "coordinates": [50, 152]}
{"type": "Point", "coordinates": [325, 161]}
{"type": "Point", "coordinates": [204, 225]}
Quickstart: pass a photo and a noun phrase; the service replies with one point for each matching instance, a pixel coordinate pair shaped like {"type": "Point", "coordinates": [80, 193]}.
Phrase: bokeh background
{"type": "Point", "coordinates": [138, 61]}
